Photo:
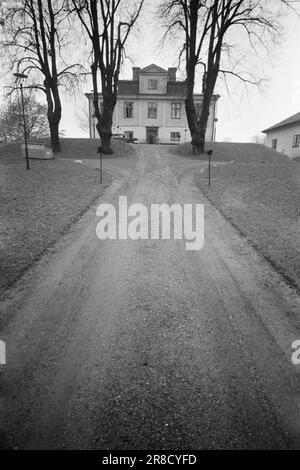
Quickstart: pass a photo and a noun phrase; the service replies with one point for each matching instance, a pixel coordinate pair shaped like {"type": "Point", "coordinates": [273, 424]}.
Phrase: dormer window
{"type": "Point", "coordinates": [152, 84]}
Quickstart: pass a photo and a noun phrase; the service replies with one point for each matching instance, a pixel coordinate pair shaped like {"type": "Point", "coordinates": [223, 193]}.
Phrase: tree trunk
{"type": "Point", "coordinates": [54, 114]}
{"type": "Point", "coordinates": [103, 114]}
{"type": "Point", "coordinates": [105, 137]}
{"type": "Point", "coordinates": [197, 139]}
{"type": "Point", "coordinates": [54, 134]}
{"type": "Point", "coordinates": [211, 78]}
{"type": "Point", "coordinates": [202, 123]}
{"type": "Point", "coordinates": [104, 125]}
{"type": "Point", "coordinates": [198, 127]}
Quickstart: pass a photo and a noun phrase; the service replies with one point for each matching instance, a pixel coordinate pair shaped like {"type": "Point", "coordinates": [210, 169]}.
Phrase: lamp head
{"type": "Point", "coordinates": [20, 75]}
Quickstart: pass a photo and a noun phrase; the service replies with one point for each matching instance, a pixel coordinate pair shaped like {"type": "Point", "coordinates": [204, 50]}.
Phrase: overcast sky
{"type": "Point", "coordinates": [241, 115]}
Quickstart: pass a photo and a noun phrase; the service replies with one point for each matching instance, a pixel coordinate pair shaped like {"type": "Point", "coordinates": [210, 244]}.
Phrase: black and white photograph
{"type": "Point", "coordinates": [149, 230]}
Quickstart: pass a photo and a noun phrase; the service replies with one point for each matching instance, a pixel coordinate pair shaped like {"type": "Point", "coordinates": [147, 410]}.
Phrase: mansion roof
{"type": "Point", "coordinates": [169, 85]}
{"type": "Point", "coordinates": [129, 87]}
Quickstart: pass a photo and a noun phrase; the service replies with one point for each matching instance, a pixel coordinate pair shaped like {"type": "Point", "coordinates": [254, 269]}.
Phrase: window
{"type": "Point", "coordinates": [296, 140]}
{"type": "Point", "coordinates": [175, 137]}
{"type": "Point", "coordinates": [274, 144]}
{"type": "Point", "coordinates": [175, 110]}
{"type": "Point", "coordinates": [152, 84]}
{"type": "Point", "coordinates": [152, 110]}
{"type": "Point", "coordinates": [128, 109]}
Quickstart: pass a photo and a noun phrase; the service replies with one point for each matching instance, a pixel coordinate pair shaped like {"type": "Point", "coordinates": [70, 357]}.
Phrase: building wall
{"type": "Point", "coordinates": [140, 121]}
{"type": "Point", "coordinates": [169, 122]}
{"type": "Point", "coordinates": [159, 121]}
{"type": "Point", "coordinates": [284, 138]}
{"type": "Point", "coordinates": [118, 116]}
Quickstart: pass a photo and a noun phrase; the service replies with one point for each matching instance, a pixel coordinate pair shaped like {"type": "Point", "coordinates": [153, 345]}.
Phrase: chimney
{"type": "Point", "coordinates": [135, 73]}
{"type": "Point", "coordinates": [172, 73]}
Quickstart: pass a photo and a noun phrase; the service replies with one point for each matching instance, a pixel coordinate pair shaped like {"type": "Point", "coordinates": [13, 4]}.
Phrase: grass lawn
{"type": "Point", "coordinates": [38, 206]}
{"type": "Point", "coordinates": [72, 148]}
{"type": "Point", "coordinates": [87, 148]}
{"type": "Point", "coordinates": [259, 193]}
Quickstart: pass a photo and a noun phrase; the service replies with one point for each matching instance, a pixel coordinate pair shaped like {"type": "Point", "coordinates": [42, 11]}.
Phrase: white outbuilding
{"type": "Point", "coordinates": [285, 136]}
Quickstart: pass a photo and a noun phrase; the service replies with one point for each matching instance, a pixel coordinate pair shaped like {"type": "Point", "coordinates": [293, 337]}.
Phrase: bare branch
{"type": "Point", "coordinates": [107, 25]}
{"type": "Point", "coordinates": [210, 31]}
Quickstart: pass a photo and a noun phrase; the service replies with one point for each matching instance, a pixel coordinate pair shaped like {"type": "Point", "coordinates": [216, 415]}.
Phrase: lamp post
{"type": "Point", "coordinates": [209, 153]}
{"type": "Point", "coordinates": [20, 77]}
{"type": "Point", "coordinates": [100, 150]}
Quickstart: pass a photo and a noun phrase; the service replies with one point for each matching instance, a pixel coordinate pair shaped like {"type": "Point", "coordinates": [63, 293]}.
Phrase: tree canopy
{"type": "Point", "coordinates": [11, 119]}
{"type": "Point", "coordinates": [36, 39]}
{"type": "Point", "coordinates": [221, 37]}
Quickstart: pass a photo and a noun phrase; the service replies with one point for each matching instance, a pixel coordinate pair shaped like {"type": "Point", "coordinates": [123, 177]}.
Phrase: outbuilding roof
{"type": "Point", "coordinates": [286, 122]}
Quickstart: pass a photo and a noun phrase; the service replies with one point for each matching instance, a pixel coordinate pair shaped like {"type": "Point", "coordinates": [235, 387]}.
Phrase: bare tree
{"type": "Point", "coordinates": [11, 119]}
{"type": "Point", "coordinates": [107, 24]}
{"type": "Point", "coordinates": [208, 29]}
{"type": "Point", "coordinates": [259, 139]}
{"type": "Point", "coordinates": [82, 117]}
{"type": "Point", "coordinates": [35, 35]}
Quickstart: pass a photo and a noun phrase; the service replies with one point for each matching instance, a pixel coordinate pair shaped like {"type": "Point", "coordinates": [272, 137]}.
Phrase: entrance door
{"type": "Point", "coordinates": [151, 135]}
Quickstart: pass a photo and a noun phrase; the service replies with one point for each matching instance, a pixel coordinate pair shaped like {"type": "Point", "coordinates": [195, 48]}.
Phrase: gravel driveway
{"type": "Point", "coordinates": [123, 344]}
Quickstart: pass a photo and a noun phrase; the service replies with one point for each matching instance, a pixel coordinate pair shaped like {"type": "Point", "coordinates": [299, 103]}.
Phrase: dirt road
{"type": "Point", "coordinates": [122, 344]}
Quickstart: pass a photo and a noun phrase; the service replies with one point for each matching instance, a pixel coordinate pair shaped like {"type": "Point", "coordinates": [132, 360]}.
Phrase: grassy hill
{"type": "Point", "coordinates": [259, 193]}
{"type": "Point", "coordinates": [227, 151]}
{"type": "Point", "coordinates": [38, 206]}
{"type": "Point", "coordinates": [70, 148]}
{"type": "Point", "coordinates": [87, 148]}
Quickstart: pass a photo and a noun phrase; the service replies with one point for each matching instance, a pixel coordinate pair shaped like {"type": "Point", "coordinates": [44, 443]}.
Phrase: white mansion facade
{"type": "Point", "coordinates": [151, 108]}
